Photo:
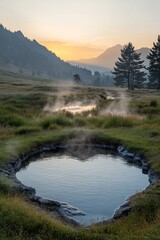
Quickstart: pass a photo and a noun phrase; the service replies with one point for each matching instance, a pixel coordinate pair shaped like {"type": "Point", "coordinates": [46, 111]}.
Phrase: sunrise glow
{"type": "Point", "coordinates": [83, 29]}
{"type": "Point", "coordinates": [71, 51]}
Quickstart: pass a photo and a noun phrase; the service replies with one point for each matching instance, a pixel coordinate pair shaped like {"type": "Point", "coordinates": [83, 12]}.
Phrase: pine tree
{"type": "Point", "coordinates": [154, 65]}
{"type": "Point", "coordinates": [140, 80]}
{"type": "Point", "coordinates": [97, 78]}
{"type": "Point", "coordinates": [128, 69]}
{"type": "Point", "coordinates": [77, 78]}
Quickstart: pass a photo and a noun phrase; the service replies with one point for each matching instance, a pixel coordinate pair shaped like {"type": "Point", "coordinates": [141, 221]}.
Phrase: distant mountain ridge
{"type": "Point", "coordinates": [30, 56]}
{"type": "Point", "coordinates": [108, 58]}
{"type": "Point", "coordinates": [91, 67]}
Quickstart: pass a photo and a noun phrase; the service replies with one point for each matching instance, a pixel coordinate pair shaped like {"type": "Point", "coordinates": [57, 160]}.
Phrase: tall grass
{"type": "Point", "coordinates": [27, 130]}
{"type": "Point", "coordinates": [12, 120]}
{"type": "Point", "coordinates": [59, 120]}
{"type": "Point", "coordinates": [6, 186]}
{"type": "Point", "coordinates": [112, 121]}
{"type": "Point", "coordinates": [23, 221]}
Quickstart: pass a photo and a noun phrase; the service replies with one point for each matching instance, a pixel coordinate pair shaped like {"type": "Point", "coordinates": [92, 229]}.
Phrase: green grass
{"type": "Point", "coordinates": [24, 125]}
{"type": "Point", "coordinates": [113, 121]}
{"type": "Point", "coordinates": [33, 224]}
{"type": "Point", "coordinates": [59, 120]}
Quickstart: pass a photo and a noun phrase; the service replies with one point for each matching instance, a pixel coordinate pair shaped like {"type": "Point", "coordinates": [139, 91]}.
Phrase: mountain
{"type": "Point", "coordinates": [108, 58]}
{"type": "Point", "coordinates": [23, 55]}
{"type": "Point", "coordinates": [144, 52]}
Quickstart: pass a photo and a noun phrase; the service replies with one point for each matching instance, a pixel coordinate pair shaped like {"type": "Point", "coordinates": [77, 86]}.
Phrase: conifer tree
{"type": "Point", "coordinates": [128, 69]}
{"type": "Point", "coordinates": [154, 65]}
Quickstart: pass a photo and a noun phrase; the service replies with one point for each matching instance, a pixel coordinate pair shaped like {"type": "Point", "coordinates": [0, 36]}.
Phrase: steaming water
{"type": "Point", "coordinates": [76, 108]}
{"type": "Point", "coordinates": [73, 108]}
{"type": "Point", "coordinates": [96, 186]}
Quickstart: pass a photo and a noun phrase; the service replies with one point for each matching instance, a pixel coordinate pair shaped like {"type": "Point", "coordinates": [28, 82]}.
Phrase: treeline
{"type": "Point", "coordinates": [130, 71]}
{"type": "Point", "coordinates": [98, 79]}
{"type": "Point", "coordinates": [102, 79]}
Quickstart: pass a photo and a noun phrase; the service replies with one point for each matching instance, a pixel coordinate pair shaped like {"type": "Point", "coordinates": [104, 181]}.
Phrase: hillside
{"type": "Point", "coordinates": [22, 55]}
{"type": "Point", "coordinates": [108, 58]}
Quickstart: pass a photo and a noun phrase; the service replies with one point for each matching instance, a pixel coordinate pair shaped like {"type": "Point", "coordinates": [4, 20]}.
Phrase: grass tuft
{"type": "Point", "coordinates": [57, 120]}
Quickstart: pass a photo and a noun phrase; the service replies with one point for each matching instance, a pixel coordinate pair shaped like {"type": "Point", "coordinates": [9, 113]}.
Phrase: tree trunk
{"type": "Point", "coordinates": [128, 81]}
{"type": "Point", "coordinates": [159, 80]}
{"type": "Point", "coordinates": [159, 84]}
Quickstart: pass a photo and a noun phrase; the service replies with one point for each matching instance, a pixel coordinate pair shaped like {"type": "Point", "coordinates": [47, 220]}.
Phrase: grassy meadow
{"type": "Point", "coordinates": [25, 124]}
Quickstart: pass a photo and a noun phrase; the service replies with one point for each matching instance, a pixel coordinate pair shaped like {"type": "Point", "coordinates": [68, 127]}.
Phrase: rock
{"type": "Point", "coordinates": [49, 203]}
{"type": "Point", "coordinates": [10, 168]}
{"type": "Point", "coordinates": [70, 210]}
{"type": "Point", "coordinates": [4, 172]}
{"type": "Point", "coordinates": [137, 158]}
{"type": "Point", "coordinates": [17, 164]}
{"type": "Point", "coordinates": [122, 211]}
{"type": "Point", "coordinates": [124, 152]}
{"type": "Point", "coordinates": [128, 154]}
{"type": "Point", "coordinates": [120, 149]}
{"type": "Point", "coordinates": [64, 146]}
{"type": "Point", "coordinates": [45, 202]}
{"type": "Point", "coordinates": [145, 168]}
{"type": "Point", "coordinates": [28, 191]}
{"type": "Point", "coordinates": [152, 177]}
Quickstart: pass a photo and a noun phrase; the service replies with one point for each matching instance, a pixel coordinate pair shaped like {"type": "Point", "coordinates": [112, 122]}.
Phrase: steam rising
{"type": "Point", "coordinates": [76, 100]}
{"type": "Point", "coordinates": [119, 105]}
{"type": "Point", "coordinates": [74, 108]}
{"type": "Point", "coordinates": [68, 100]}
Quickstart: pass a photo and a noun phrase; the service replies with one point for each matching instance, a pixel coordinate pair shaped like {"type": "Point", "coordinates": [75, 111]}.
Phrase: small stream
{"type": "Point", "coordinates": [89, 185]}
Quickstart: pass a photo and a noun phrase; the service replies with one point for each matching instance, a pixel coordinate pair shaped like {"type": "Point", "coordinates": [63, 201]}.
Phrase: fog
{"type": "Point", "coordinates": [119, 105]}
{"type": "Point", "coordinates": [69, 99]}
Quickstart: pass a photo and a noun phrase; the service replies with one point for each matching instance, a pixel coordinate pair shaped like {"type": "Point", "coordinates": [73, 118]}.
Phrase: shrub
{"type": "Point", "coordinates": [56, 121]}
{"type": "Point", "coordinates": [153, 103]}
{"type": "Point", "coordinates": [5, 186]}
{"type": "Point", "coordinates": [27, 130]}
{"type": "Point", "coordinates": [80, 122]}
{"type": "Point", "coordinates": [12, 120]}
{"type": "Point", "coordinates": [151, 110]}
{"type": "Point", "coordinates": [96, 121]}
{"type": "Point", "coordinates": [111, 121]}
{"type": "Point", "coordinates": [63, 121]}
{"type": "Point", "coordinates": [119, 121]}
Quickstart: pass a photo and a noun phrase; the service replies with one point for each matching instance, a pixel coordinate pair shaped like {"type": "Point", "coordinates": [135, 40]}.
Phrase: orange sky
{"type": "Point", "coordinates": [83, 29]}
{"type": "Point", "coordinates": [68, 51]}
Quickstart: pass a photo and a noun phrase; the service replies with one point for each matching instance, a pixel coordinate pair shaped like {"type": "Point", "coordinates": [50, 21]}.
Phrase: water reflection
{"type": "Point", "coordinates": [95, 185]}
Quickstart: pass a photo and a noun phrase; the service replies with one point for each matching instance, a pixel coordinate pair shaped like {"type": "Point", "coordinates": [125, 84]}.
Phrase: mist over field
{"type": "Point", "coordinates": [79, 120]}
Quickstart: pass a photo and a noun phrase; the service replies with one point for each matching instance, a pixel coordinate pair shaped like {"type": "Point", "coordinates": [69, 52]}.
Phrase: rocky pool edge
{"type": "Point", "coordinates": [54, 207]}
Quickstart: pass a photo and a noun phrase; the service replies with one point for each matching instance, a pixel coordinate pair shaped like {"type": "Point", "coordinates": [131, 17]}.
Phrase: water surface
{"type": "Point", "coordinates": [95, 186]}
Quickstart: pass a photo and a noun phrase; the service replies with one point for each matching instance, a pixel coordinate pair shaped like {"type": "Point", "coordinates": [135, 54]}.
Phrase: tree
{"type": "Point", "coordinates": [128, 68]}
{"type": "Point", "coordinates": [154, 65]}
{"type": "Point", "coordinates": [77, 78]}
{"type": "Point", "coordinates": [97, 78]}
{"type": "Point", "coordinates": [140, 79]}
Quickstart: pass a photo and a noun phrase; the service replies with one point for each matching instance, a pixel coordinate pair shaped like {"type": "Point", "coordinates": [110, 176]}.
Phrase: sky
{"type": "Point", "coordinates": [76, 29]}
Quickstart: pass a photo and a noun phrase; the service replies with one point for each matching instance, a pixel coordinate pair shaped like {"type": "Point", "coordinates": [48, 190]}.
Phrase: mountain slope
{"type": "Point", "coordinates": [30, 56]}
{"type": "Point", "coordinates": [108, 58]}
{"type": "Point", "coordinates": [144, 52]}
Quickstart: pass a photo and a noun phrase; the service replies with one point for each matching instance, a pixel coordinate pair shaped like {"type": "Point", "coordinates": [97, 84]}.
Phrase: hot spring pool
{"type": "Point", "coordinates": [90, 188]}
